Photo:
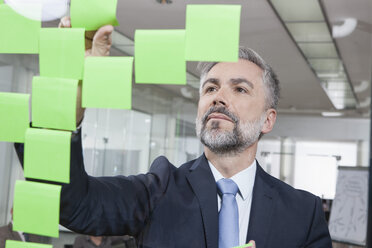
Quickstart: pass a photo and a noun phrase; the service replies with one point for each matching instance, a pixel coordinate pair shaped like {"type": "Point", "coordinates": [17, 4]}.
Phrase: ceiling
{"type": "Point", "coordinates": [262, 30]}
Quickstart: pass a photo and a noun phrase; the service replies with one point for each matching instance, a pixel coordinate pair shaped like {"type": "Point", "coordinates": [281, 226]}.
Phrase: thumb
{"type": "Point", "coordinates": [102, 41]}
{"type": "Point", "coordinates": [65, 22]}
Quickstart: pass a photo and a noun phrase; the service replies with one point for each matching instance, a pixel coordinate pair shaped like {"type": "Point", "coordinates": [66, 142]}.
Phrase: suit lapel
{"type": "Point", "coordinates": [204, 186]}
{"type": "Point", "coordinates": [262, 208]}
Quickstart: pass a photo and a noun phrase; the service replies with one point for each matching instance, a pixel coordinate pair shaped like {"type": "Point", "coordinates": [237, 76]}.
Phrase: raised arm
{"type": "Point", "coordinates": [97, 43]}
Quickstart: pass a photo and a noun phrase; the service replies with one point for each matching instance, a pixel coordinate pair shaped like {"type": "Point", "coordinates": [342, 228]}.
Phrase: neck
{"type": "Point", "coordinates": [229, 165]}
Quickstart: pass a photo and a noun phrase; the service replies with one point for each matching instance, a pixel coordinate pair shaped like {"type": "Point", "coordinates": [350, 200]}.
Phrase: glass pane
{"type": "Point", "coordinates": [318, 50]}
{"type": "Point", "coordinates": [309, 32]}
{"type": "Point", "coordinates": [326, 65]}
{"type": "Point", "coordinates": [295, 10]}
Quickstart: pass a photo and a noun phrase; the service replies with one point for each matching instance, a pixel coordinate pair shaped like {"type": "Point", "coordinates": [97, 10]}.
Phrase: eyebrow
{"type": "Point", "coordinates": [211, 80]}
{"type": "Point", "coordinates": [233, 81]}
{"type": "Point", "coordinates": [242, 80]}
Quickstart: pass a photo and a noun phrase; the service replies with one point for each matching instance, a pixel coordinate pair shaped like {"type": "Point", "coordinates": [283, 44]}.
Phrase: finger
{"type": "Point", "coordinates": [104, 34]}
{"type": "Point", "coordinates": [102, 41]}
{"type": "Point", "coordinates": [65, 22]}
{"type": "Point", "coordinates": [253, 243]}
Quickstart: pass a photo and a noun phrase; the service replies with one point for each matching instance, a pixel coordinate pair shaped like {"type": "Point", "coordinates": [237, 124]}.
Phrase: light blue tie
{"type": "Point", "coordinates": [229, 215]}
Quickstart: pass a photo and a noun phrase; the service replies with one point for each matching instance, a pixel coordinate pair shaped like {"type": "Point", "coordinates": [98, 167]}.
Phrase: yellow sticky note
{"type": "Point", "coordinates": [54, 103]}
{"type": "Point", "coordinates": [244, 246]}
{"type": "Point", "coordinates": [36, 208]}
{"type": "Point", "coordinates": [14, 112]}
{"type": "Point", "coordinates": [107, 82]}
{"type": "Point", "coordinates": [93, 14]}
{"type": "Point", "coordinates": [212, 32]}
{"type": "Point", "coordinates": [21, 244]}
{"type": "Point", "coordinates": [18, 33]}
{"type": "Point", "coordinates": [47, 155]}
{"type": "Point", "coordinates": [62, 52]}
{"type": "Point", "coordinates": [160, 56]}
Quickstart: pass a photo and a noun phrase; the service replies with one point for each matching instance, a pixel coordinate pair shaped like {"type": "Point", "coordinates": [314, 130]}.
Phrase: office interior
{"type": "Point", "coordinates": [321, 51]}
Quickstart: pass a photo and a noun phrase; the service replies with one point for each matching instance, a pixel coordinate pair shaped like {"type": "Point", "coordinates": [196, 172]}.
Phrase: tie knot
{"type": "Point", "coordinates": [227, 186]}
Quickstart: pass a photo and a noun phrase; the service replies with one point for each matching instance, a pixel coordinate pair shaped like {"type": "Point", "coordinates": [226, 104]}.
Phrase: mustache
{"type": "Point", "coordinates": [221, 110]}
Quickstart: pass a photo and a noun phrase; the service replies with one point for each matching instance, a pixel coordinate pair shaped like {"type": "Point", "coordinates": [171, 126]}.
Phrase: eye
{"type": "Point", "coordinates": [210, 89]}
{"type": "Point", "coordinates": [241, 90]}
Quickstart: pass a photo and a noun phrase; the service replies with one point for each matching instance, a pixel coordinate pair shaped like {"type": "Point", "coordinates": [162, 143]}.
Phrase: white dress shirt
{"type": "Point", "coordinates": [245, 181]}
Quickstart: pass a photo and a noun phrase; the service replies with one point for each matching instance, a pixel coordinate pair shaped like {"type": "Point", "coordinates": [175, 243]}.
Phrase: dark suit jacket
{"type": "Point", "coordinates": [177, 207]}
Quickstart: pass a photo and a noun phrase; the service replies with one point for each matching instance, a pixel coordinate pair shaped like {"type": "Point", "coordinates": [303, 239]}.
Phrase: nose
{"type": "Point", "coordinates": [220, 98]}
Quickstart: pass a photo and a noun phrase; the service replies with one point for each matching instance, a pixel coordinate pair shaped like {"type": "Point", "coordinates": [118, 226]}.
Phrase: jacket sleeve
{"type": "Point", "coordinates": [318, 236]}
{"type": "Point", "coordinates": [102, 206]}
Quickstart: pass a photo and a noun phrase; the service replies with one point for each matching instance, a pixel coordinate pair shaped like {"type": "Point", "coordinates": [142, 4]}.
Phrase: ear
{"type": "Point", "coordinates": [269, 121]}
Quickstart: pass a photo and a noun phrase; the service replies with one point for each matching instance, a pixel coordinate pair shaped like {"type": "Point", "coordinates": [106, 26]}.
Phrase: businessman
{"type": "Point", "coordinates": [221, 199]}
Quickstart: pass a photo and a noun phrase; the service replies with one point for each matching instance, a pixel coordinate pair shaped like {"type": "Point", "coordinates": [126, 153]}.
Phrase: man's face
{"type": "Point", "coordinates": [231, 111]}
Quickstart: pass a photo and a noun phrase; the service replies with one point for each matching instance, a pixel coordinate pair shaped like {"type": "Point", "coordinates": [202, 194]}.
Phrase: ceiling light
{"type": "Point", "coordinates": [365, 103]}
{"type": "Point", "coordinates": [361, 87]}
{"type": "Point", "coordinates": [349, 25]}
{"type": "Point", "coordinates": [40, 10]}
{"type": "Point", "coordinates": [332, 114]}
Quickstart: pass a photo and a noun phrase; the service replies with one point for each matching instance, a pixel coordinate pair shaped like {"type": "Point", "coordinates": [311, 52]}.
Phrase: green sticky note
{"type": "Point", "coordinates": [62, 52]}
{"type": "Point", "coordinates": [244, 246]}
{"type": "Point", "coordinates": [93, 14]}
{"type": "Point", "coordinates": [21, 244]}
{"type": "Point", "coordinates": [212, 32]}
{"type": "Point", "coordinates": [107, 82]}
{"type": "Point", "coordinates": [18, 33]}
{"type": "Point", "coordinates": [160, 56]}
{"type": "Point", "coordinates": [36, 208]}
{"type": "Point", "coordinates": [47, 155]}
{"type": "Point", "coordinates": [14, 112]}
{"type": "Point", "coordinates": [54, 103]}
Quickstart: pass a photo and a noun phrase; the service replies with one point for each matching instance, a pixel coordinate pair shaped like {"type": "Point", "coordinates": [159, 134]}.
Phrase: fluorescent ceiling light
{"type": "Point", "coordinates": [40, 10]}
{"type": "Point", "coordinates": [332, 114]}
{"type": "Point", "coordinates": [295, 10]}
{"type": "Point", "coordinates": [309, 32]}
{"type": "Point", "coordinates": [326, 65]}
{"type": "Point", "coordinates": [361, 87]}
{"type": "Point", "coordinates": [349, 25]}
{"type": "Point", "coordinates": [318, 50]}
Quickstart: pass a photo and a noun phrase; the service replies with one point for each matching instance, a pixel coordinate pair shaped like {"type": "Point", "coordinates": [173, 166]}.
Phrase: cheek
{"type": "Point", "coordinates": [202, 108]}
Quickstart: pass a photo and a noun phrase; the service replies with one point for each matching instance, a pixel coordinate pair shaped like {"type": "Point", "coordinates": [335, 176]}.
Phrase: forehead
{"type": "Point", "coordinates": [225, 71]}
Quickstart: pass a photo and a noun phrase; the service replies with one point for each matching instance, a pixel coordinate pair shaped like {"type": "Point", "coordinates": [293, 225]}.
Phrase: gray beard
{"type": "Point", "coordinates": [228, 143]}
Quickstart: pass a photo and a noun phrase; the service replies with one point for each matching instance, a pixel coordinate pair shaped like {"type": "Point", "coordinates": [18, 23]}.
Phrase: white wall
{"type": "Point", "coordinates": [311, 127]}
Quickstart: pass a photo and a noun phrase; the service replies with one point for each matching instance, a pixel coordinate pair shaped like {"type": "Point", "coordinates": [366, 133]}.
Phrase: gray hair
{"type": "Point", "coordinates": [269, 77]}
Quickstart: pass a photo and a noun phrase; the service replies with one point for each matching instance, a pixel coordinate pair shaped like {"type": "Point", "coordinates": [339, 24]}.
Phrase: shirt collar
{"type": "Point", "coordinates": [244, 179]}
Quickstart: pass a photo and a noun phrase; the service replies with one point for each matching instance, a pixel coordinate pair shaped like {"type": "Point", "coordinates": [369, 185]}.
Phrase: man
{"type": "Point", "coordinates": [7, 233]}
{"type": "Point", "coordinates": [223, 198]}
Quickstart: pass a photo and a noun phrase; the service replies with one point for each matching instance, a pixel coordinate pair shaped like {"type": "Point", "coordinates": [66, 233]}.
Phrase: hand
{"type": "Point", "coordinates": [253, 243]}
{"type": "Point", "coordinates": [97, 43]}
